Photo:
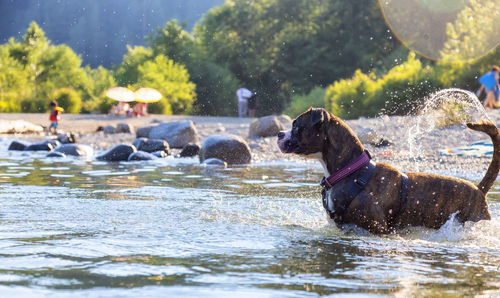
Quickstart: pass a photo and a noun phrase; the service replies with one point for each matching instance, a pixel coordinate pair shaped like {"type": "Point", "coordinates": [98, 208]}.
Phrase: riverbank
{"type": "Point", "coordinates": [418, 153]}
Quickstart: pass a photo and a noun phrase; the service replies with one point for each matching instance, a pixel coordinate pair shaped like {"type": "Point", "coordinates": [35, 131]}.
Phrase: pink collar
{"type": "Point", "coordinates": [355, 165]}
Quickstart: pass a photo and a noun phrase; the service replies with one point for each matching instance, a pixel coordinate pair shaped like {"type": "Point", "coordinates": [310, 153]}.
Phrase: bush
{"type": "Point", "coordinates": [160, 107]}
{"type": "Point", "coordinates": [68, 99]}
{"type": "Point", "coordinates": [400, 91]}
{"type": "Point", "coordinates": [301, 102]}
{"type": "Point", "coordinates": [348, 98]}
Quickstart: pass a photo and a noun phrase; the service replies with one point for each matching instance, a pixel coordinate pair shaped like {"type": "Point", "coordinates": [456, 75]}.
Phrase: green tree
{"type": "Point", "coordinates": [48, 67]}
{"type": "Point", "coordinates": [215, 84]}
{"type": "Point", "coordinates": [473, 33]}
{"type": "Point", "coordinates": [278, 47]}
{"type": "Point", "coordinates": [68, 99]}
{"type": "Point", "coordinates": [301, 102]}
{"type": "Point", "coordinates": [14, 81]}
{"type": "Point", "coordinates": [172, 80]}
{"type": "Point", "coordinates": [173, 41]}
{"type": "Point", "coordinates": [127, 72]}
{"type": "Point", "coordinates": [95, 100]}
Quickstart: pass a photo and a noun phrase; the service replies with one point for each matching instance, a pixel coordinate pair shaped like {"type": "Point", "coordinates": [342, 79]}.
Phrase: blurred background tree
{"type": "Point", "coordinates": [294, 53]}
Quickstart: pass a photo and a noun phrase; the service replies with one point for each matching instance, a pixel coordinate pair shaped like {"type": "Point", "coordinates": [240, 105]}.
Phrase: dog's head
{"type": "Point", "coordinates": [307, 135]}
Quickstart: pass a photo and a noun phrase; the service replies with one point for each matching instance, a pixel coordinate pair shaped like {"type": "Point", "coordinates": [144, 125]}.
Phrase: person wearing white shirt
{"type": "Point", "coordinates": [243, 95]}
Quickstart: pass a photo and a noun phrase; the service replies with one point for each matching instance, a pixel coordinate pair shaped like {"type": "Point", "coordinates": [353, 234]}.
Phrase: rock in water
{"type": "Point", "coordinates": [229, 148]}
{"type": "Point", "coordinates": [75, 150]}
{"type": "Point", "coordinates": [141, 155]}
{"type": "Point", "coordinates": [17, 146]}
{"type": "Point", "coordinates": [56, 154]}
{"type": "Point", "coordinates": [177, 134]}
{"type": "Point", "coordinates": [43, 146]}
{"type": "Point", "coordinates": [151, 145]}
{"type": "Point", "coordinates": [214, 162]}
{"type": "Point", "coordinates": [66, 138]}
{"type": "Point", "coordinates": [190, 150]}
{"type": "Point", "coordinates": [160, 154]}
{"type": "Point", "coordinates": [119, 152]}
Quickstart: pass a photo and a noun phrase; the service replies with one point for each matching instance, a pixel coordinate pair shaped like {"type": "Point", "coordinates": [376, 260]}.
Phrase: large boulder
{"type": "Point", "coordinates": [177, 134]}
{"type": "Point", "coordinates": [143, 132]}
{"type": "Point", "coordinates": [265, 127]}
{"type": "Point", "coordinates": [229, 148]}
{"type": "Point", "coordinates": [19, 126]}
{"type": "Point", "coordinates": [75, 150]}
{"type": "Point", "coordinates": [17, 146]}
{"type": "Point", "coordinates": [286, 121]}
{"type": "Point", "coordinates": [151, 145]}
{"type": "Point", "coordinates": [119, 152]}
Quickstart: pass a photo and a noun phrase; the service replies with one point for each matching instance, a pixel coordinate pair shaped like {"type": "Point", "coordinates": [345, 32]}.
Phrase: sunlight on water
{"type": "Point", "coordinates": [176, 227]}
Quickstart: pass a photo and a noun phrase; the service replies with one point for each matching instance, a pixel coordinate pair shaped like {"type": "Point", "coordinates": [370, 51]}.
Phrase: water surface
{"type": "Point", "coordinates": [172, 227]}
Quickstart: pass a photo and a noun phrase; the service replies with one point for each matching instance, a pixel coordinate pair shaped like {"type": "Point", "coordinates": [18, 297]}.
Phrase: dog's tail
{"type": "Point", "coordinates": [491, 174]}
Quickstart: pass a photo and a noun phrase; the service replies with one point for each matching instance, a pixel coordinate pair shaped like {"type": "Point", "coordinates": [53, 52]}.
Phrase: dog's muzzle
{"type": "Point", "coordinates": [284, 141]}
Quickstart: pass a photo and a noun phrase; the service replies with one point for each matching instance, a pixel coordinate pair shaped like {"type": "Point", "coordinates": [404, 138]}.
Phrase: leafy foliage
{"type": "Point", "coordinates": [293, 53]}
{"type": "Point", "coordinates": [172, 80]}
{"type": "Point", "coordinates": [127, 73]}
{"type": "Point", "coordinates": [68, 99]}
{"type": "Point", "coordinates": [301, 102]}
{"type": "Point", "coordinates": [399, 91]}
{"type": "Point", "coordinates": [98, 30]}
{"type": "Point", "coordinates": [278, 47]}
{"type": "Point", "coordinates": [34, 69]}
{"type": "Point", "coordinates": [473, 32]}
{"type": "Point", "coordinates": [14, 82]}
{"type": "Point", "coordinates": [215, 84]}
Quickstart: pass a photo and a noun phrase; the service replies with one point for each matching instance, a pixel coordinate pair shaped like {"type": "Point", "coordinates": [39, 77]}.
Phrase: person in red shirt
{"type": "Point", "coordinates": [55, 116]}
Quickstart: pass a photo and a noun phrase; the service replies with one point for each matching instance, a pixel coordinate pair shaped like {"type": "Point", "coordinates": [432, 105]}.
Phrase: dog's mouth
{"type": "Point", "coordinates": [285, 146]}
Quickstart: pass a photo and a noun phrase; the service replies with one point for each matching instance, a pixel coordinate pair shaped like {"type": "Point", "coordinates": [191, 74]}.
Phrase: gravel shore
{"type": "Point", "coordinates": [410, 150]}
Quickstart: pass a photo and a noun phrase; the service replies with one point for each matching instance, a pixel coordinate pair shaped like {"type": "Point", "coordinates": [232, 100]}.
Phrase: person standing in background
{"type": "Point", "coordinates": [489, 83]}
{"type": "Point", "coordinates": [253, 101]}
{"type": "Point", "coordinates": [243, 95]}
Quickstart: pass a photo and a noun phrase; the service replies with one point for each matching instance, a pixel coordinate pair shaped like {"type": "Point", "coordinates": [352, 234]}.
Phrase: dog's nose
{"type": "Point", "coordinates": [281, 135]}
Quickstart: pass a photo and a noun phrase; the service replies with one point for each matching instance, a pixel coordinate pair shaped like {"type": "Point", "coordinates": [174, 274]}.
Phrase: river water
{"type": "Point", "coordinates": [174, 228]}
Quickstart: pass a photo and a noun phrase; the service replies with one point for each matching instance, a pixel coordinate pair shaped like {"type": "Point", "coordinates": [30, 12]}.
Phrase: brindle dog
{"type": "Point", "coordinates": [430, 199]}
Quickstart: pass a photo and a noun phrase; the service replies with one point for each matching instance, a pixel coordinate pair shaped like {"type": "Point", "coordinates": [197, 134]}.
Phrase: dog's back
{"type": "Point", "coordinates": [433, 199]}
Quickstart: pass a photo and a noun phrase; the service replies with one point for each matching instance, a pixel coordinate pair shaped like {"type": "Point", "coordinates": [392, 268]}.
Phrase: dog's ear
{"type": "Point", "coordinates": [318, 116]}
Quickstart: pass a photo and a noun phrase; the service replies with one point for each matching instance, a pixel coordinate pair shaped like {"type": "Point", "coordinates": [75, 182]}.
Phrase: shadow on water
{"type": "Point", "coordinates": [173, 226]}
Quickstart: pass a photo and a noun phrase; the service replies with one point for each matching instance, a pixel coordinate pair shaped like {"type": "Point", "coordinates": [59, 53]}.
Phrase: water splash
{"type": "Point", "coordinates": [444, 108]}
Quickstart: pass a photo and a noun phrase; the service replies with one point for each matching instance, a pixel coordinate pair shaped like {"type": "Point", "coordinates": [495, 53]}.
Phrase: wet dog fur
{"type": "Point", "coordinates": [431, 200]}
